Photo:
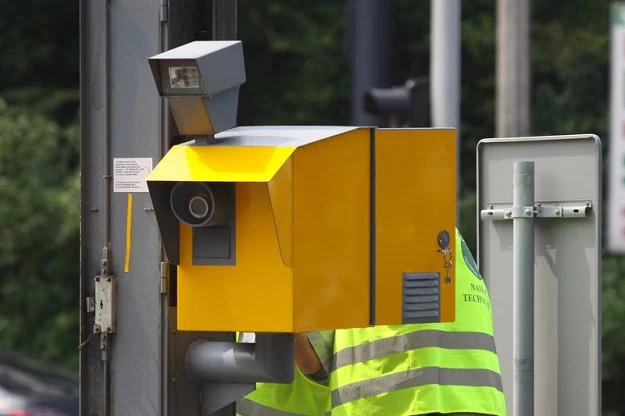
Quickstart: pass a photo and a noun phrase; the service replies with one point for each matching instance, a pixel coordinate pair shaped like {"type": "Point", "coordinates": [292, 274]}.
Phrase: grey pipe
{"type": "Point", "coordinates": [523, 284]}
{"type": "Point", "coordinates": [227, 371]}
{"type": "Point", "coordinates": [270, 359]}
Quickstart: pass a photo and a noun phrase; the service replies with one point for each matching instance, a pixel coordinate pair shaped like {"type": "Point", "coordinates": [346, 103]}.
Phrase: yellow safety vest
{"type": "Point", "coordinates": [301, 397]}
{"type": "Point", "coordinates": [418, 369]}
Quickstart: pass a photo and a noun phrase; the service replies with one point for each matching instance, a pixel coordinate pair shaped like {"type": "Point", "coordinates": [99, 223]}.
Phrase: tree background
{"type": "Point", "coordinates": [298, 73]}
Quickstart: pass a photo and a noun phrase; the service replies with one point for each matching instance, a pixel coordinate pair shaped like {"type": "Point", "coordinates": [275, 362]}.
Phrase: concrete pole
{"type": "Point", "coordinates": [445, 69]}
{"type": "Point", "coordinates": [513, 68]}
{"type": "Point", "coordinates": [523, 288]}
{"type": "Point", "coordinates": [369, 30]}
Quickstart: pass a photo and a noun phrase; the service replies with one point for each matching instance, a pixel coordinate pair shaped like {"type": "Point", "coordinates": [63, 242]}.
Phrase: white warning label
{"type": "Point", "coordinates": [129, 174]}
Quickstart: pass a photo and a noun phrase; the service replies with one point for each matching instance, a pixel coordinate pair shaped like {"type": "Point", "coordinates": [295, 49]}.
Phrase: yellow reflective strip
{"type": "Point", "coordinates": [128, 233]}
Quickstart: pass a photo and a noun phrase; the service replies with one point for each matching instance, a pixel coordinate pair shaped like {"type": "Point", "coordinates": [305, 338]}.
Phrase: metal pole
{"type": "Point", "coordinates": [445, 63]}
{"type": "Point", "coordinates": [445, 69]}
{"type": "Point", "coordinates": [523, 288]}
{"type": "Point", "coordinates": [370, 40]}
{"type": "Point", "coordinates": [513, 68]}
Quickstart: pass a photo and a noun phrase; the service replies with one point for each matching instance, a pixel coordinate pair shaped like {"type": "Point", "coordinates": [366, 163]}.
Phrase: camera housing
{"type": "Point", "coordinates": [201, 80]}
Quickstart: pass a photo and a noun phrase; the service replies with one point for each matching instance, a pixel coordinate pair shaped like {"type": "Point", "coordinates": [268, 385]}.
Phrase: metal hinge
{"type": "Point", "coordinates": [90, 304]}
{"type": "Point", "coordinates": [164, 276]}
{"type": "Point", "coordinates": [568, 209]}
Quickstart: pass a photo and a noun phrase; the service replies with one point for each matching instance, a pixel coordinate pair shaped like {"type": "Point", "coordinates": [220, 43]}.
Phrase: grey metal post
{"type": "Point", "coordinates": [523, 283]}
{"type": "Point", "coordinates": [445, 63]}
{"type": "Point", "coordinates": [445, 69]}
{"type": "Point", "coordinates": [369, 30]}
{"type": "Point", "coordinates": [120, 118]}
{"type": "Point", "coordinates": [513, 68]}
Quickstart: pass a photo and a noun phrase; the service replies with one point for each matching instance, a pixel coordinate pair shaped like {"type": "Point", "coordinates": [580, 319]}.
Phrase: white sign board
{"type": "Point", "coordinates": [567, 249]}
{"type": "Point", "coordinates": [616, 229]}
{"type": "Point", "coordinates": [129, 174]}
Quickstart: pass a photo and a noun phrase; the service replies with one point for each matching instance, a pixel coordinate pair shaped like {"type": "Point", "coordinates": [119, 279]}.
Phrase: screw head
{"type": "Point", "coordinates": [97, 328]}
{"type": "Point", "coordinates": [97, 279]}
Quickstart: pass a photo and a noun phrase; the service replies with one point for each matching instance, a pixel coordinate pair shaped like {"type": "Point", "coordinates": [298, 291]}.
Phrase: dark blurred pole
{"type": "Point", "coordinates": [369, 31]}
{"type": "Point", "coordinates": [224, 20]}
{"type": "Point", "coordinates": [513, 68]}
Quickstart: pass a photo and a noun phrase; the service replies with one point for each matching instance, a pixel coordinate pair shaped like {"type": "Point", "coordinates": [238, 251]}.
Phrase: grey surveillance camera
{"type": "Point", "coordinates": [201, 80]}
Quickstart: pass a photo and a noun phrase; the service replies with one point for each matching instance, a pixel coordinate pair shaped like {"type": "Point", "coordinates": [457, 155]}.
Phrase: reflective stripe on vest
{"type": "Point", "coordinates": [418, 339]}
{"type": "Point", "coordinates": [417, 377]}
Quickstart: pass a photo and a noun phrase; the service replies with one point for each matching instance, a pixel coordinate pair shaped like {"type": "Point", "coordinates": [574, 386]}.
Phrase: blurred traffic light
{"type": "Point", "coordinates": [406, 105]}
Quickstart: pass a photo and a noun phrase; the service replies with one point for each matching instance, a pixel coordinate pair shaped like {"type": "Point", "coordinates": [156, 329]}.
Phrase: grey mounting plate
{"type": "Point", "coordinates": [567, 324]}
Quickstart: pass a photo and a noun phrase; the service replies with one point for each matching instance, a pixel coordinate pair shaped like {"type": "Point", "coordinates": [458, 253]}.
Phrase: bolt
{"type": "Point", "coordinates": [490, 206]}
{"type": "Point", "coordinates": [508, 213]}
{"type": "Point", "coordinates": [108, 329]}
{"type": "Point", "coordinates": [108, 279]}
{"type": "Point", "coordinates": [557, 212]}
{"type": "Point", "coordinates": [97, 279]}
{"type": "Point", "coordinates": [528, 212]}
{"type": "Point", "coordinates": [148, 209]}
{"type": "Point", "coordinates": [97, 328]}
{"type": "Point", "coordinates": [538, 204]}
{"type": "Point", "coordinates": [588, 204]}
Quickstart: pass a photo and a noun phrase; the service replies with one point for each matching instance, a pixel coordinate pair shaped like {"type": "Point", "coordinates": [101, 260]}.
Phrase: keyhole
{"type": "Point", "coordinates": [443, 239]}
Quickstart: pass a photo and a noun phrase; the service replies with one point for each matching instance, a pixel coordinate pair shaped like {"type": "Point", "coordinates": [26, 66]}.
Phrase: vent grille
{"type": "Point", "coordinates": [421, 298]}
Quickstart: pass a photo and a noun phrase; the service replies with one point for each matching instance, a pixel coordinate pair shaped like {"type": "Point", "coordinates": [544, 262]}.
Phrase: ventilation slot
{"type": "Point", "coordinates": [421, 298]}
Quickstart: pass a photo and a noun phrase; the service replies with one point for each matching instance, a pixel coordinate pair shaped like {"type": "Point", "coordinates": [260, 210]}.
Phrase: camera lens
{"type": "Point", "coordinates": [193, 203]}
{"type": "Point", "coordinates": [199, 207]}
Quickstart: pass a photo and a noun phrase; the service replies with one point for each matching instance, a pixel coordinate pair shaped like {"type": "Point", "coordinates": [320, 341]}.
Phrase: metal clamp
{"type": "Point", "coordinates": [567, 209]}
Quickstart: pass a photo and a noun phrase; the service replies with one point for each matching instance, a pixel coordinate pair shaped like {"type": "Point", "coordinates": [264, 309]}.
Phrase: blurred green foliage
{"type": "Point", "coordinates": [39, 245]}
{"type": "Point", "coordinates": [298, 73]}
